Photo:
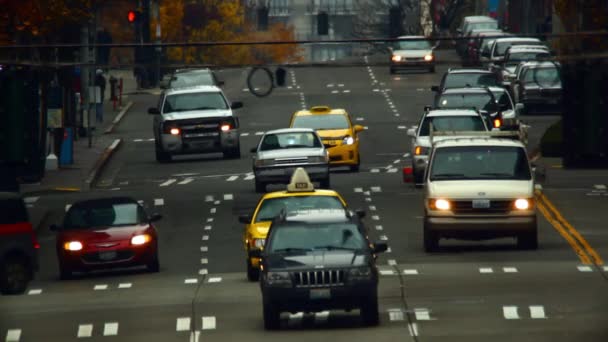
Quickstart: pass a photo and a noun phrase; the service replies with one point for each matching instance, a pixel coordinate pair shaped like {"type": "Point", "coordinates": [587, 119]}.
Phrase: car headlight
{"type": "Point", "coordinates": [522, 204]}
{"type": "Point", "coordinates": [141, 239]}
{"type": "Point", "coordinates": [360, 273]}
{"type": "Point", "coordinates": [259, 243]}
{"type": "Point", "coordinates": [317, 159]}
{"type": "Point", "coordinates": [264, 162]}
{"type": "Point", "coordinates": [396, 58]}
{"type": "Point", "coordinates": [278, 279]}
{"type": "Point", "coordinates": [72, 246]}
{"type": "Point", "coordinates": [421, 150]}
{"type": "Point", "coordinates": [428, 58]}
{"type": "Point", "coordinates": [348, 140]}
{"type": "Point", "coordinates": [439, 204]}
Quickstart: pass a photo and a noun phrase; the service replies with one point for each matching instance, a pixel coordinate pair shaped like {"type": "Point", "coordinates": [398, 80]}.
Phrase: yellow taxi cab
{"type": "Point", "coordinates": [335, 127]}
{"type": "Point", "coordinates": [299, 195]}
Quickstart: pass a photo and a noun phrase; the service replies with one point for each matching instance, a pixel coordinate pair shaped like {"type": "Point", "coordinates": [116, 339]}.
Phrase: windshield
{"type": "Point", "coordinates": [192, 79]}
{"type": "Point", "coordinates": [194, 101]}
{"type": "Point", "coordinates": [103, 216]}
{"type": "Point", "coordinates": [310, 237]}
{"type": "Point", "coordinates": [413, 45]}
{"type": "Point", "coordinates": [502, 97]}
{"type": "Point", "coordinates": [501, 47]}
{"type": "Point", "coordinates": [272, 207]}
{"type": "Point", "coordinates": [451, 123]}
{"type": "Point", "coordinates": [321, 122]}
{"type": "Point", "coordinates": [461, 80]}
{"type": "Point", "coordinates": [480, 162]}
{"type": "Point", "coordinates": [290, 140]}
{"type": "Point", "coordinates": [477, 101]}
{"type": "Point", "coordinates": [546, 76]}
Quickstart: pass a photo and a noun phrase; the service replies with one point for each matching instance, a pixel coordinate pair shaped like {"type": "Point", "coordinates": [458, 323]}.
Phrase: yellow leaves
{"type": "Point", "coordinates": [45, 17]}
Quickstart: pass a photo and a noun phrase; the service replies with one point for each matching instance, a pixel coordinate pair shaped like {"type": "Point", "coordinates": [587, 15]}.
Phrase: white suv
{"type": "Point", "coordinates": [479, 188]}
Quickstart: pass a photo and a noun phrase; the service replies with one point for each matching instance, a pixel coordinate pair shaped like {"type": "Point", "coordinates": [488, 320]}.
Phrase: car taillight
{"type": "Point", "coordinates": [35, 242]}
{"type": "Point", "coordinates": [497, 123]}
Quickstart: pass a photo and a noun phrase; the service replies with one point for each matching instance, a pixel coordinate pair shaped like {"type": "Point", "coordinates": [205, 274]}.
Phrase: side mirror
{"type": "Point", "coordinates": [459, 31]}
{"type": "Point", "coordinates": [245, 219]}
{"type": "Point", "coordinates": [435, 88]}
{"type": "Point", "coordinates": [54, 228]}
{"type": "Point", "coordinates": [153, 111]}
{"type": "Point", "coordinates": [236, 105]}
{"type": "Point", "coordinates": [380, 247]}
{"type": "Point", "coordinates": [359, 128]}
{"type": "Point", "coordinates": [155, 217]}
{"type": "Point", "coordinates": [255, 253]}
{"type": "Point", "coordinates": [408, 174]}
{"type": "Point", "coordinates": [436, 44]}
{"type": "Point", "coordinates": [253, 150]}
{"type": "Point", "coordinates": [360, 213]}
{"type": "Point", "coordinates": [411, 132]}
{"type": "Point", "coordinates": [519, 108]}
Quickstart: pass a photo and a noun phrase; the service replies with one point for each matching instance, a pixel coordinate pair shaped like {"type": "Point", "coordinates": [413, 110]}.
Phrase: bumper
{"type": "Point", "coordinates": [282, 175]}
{"type": "Point", "coordinates": [299, 299]}
{"type": "Point", "coordinates": [412, 64]}
{"type": "Point", "coordinates": [531, 100]}
{"type": "Point", "coordinates": [209, 142]}
{"type": "Point", "coordinates": [479, 227]}
{"type": "Point", "coordinates": [344, 154]}
{"type": "Point", "coordinates": [93, 260]}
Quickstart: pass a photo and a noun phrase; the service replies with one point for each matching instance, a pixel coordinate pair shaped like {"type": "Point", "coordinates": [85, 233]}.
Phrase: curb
{"type": "Point", "coordinates": [100, 163]}
{"type": "Point", "coordinates": [118, 118]}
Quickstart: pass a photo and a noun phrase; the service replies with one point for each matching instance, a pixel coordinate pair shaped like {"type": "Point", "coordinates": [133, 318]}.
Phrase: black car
{"type": "Point", "coordinates": [466, 77]}
{"type": "Point", "coordinates": [18, 245]}
{"type": "Point", "coordinates": [538, 87]}
{"type": "Point", "coordinates": [316, 261]}
{"type": "Point", "coordinates": [480, 99]}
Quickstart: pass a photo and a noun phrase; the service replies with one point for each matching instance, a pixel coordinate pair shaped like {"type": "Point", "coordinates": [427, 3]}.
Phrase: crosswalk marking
{"type": "Point", "coordinates": [509, 269]}
{"type": "Point", "coordinates": [13, 335]}
{"type": "Point", "coordinates": [100, 287]}
{"type": "Point", "coordinates": [387, 272]}
{"type": "Point", "coordinates": [159, 202]}
{"type": "Point", "coordinates": [169, 182]}
{"type": "Point", "coordinates": [34, 292]}
{"type": "Point", "coordinates": [125, 285]}
{"type": "Point", "coordinates": [244, 134]}
{"type": "Point", "coordinates": [510, 312]}
{"type": "Point", "coordinates": [379, 228]}
{"type": "Point", "coordinates": [537, 312]}
{"type": "Point", "coordinates": [600, 186]}
{"type": "Point", "coordinates": [410, 272]}
{"type": "Point", "coordinates": [422, 314]}
{"type": "Point", "coordinates": [584, 268]}
{"type": "Point", "coordinates": [228, 197]}
{"type": "Point", "coordinates": [208, 198]}
{"type": "Point", "coordinates": [259, 133]}
{"type": "Point", "coordinates": [232, 178]}
{"type": "Point", "coordinates": [395, 315]}
{"type": "Point", "coordinates": [85, 330]}
{"type": "Point", "coordinates": [376, 189]}
{"type": "Point", "coordinates": [486, 270]}
{"type": "Point", "coordinates": [191, 281]}
{"type": "Point", "coordinates": [215, 279]}
{"type": "Point", "coordinates": [183, 324]}
{"type": "Point", "coordinates": [208, 323]}
{"type": "Point", "coordinates": [110, 329]}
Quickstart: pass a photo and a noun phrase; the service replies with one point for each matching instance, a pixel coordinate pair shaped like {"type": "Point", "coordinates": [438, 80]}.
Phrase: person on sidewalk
{"type": "Point", "coordinates": [100, 82]}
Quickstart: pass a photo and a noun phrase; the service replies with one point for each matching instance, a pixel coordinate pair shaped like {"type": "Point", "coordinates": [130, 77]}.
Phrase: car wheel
{"type": "Point", "coordinates": [356, 167]}
{"type": "Point", "coordinates": [253, 273]}
{"type": "Point", "coordinates": [431, 240]}
{"type": "Point", "coordinates": [15, 274]}
{"type": "Point", "coordinates": [418, 179]}
{"type": "Point", "coordinates": [162, 156]}
{"type": "Point", "coordinates": [369, 311]}
{"type": "Point", "coordinates": [528, 240]}
{"type": "Point", "coordinates": [153, 266]}
{"type": "Point", "coordinates": [325, 183]}
{"type": "Point", "coordinates": [272, 317]}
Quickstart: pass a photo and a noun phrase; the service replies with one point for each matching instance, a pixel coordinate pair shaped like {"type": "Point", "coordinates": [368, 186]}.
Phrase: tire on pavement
{"type": "Point", "coordinates": [15, 274]}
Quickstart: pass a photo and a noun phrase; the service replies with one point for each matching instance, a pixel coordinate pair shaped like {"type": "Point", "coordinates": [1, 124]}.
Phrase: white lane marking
{"type": "Point", "coordinates": [195, 336]}
{"type": "Point", "coordinates": [34, 292]}
{"type": "Point", "coordinates": [366, 193]}
{"type": "Point", "coordinates": [375, 90]}
{"type": "Point", "coordinates": [413, 328]}
{"type": "Point", "coordinates": [125, 285]}
{"type": "Point", "coordinates": [207, 228]}
{"type": "Point", "coordinates": [383, 237]}
{"type": "Point", "coordinates": [360, 119]}
{"type": "Point", "coordinates": [208, 322]}
{"type": "Point", "coordinates": [379, 228]}
{"type": "Point", "coordinates": [341, 85]}
{"type": "Point", "coordinates": [372, 207]}
{"type": "Point", "coordinates": [600, 186]}
{"type": "Point", "coordinates": [259, 133]}
{"type": "Point", "coordinates": [401, 127]}
{"type": "Point", "coordinates": [387, 272]}
{"type": "Point", "coordinates": [191, 281]}
{"type": "Point", "coordinates": [244, 134]}
{"type": "Point", "coordinates": [110, 329]}
{"type": "Point", "coordinates": [389, 250]}
{"type": "Point", "coordinates": [250, 176]}
{"type": "Point", "coordinates": [151, 139]}
{"type": "Point", "coordinates": [13, 335]}
{"type": "Point", "coordinates": [374, 170]}
{"type": "Point", "coordinates": [203, 271]}
{"type": "Point", "coordinates": [213, 210]}
{"type": "Point", "coordinates": [186, 181]}
{"type": "Point", "coordinates": [67, 207]}
{"type": "Point", "coordinates": [397, 161]}
{"type": "Point", "coordinates": [100, 287]}
{"type": "Point", "coordinates": [376, 189]}
{"type": "Point", "coordinates": [232, 178]}
{"type": "Point", "coordinates": [605, 268]}
{"type": "Point", "coordinates": [204, 249]}
{"type": "Point", "coordinates": [392, 262]}
{"type": "Point", "coordinates": [375, 217]}
{"type": "Point", "coordinates": [204, 261]}
{"type": "Point", "coordinates": [210, 219]}
{"type": "Point", "coordinates": [395, 314]}
{"type": "Point", "coordinates": [296, 318]}
{"type": "Point", "coordinates": [330, 85]}
{"type": "Point", "coordinates": [205, 237]}
{"type": "Point", "coordinates": [138, 140]}
{"type": "Point", "coordinates": [217, 202]}
{"type": "Point", "coordinates": [169, 182]}
{"type": "Point", "coordinates": [422, 314]}
{"type": "Point", "coordinates": [85, 330]}
{"type": "Point", "coordinates": [183, 324]}
{"type": "Point", "coordinates": [141, 202]}
{"type": "Point", "coordinates": [393, 170]}
{"type": "Point", "coordinates": [410, 272]}
{"type": "Point", "coordinates": [159, 202]}
{"type": "Point", "coordinates": [31, 200]}
{"type": "Point", "coordinates": [215, 280]}
{"type": "Point", "coordinates": [335, 91]}
{"type": "Point", "coordinates": [509, 269]}
{"type": "Point", "coordinates": [228, 197]}
{"type": "Point", "coordinates": [321, 317]}
{"type": "Point", "coordinates": [486, 270]}
{"type": "Point", "coordinates": [510, 312]}
{"type": "Point", "coordinates": [406, 155]}
{"type": "Point", "coordinates": [208, 198]}
{"type": "Point", "coordinates": [358, 189]}
{"type": "Point", "coordinates": [585, 268]}
{"type": "Point", "coordinates": [537, 312]}
{"type": "Point", "coordinates": [346, 91]}
{"type": "Point", "coordinates": [367, 199]}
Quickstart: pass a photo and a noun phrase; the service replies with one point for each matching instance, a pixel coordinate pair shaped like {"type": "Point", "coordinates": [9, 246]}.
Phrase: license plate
{"type": "Point", "coordinates": [320, 294]}
{"type": "Point", "coordinates": [330, 142]}
{"type": "Point", "coordinates": [200, 135]}
{"type": "Point", "coordinates": [111, 255]}
{"type": "Point", "coordinates": [481, 204]}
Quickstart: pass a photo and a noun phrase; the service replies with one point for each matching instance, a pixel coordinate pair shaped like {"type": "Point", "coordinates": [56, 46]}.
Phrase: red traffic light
{"type": "Point", "coordinates": [132, 16]}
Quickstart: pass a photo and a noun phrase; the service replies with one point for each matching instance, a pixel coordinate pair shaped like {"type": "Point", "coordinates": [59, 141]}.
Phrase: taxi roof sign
{"type": "Point", "coordinates": [300, 182]}
{"type": "Point", "coordinates": [320, 109]}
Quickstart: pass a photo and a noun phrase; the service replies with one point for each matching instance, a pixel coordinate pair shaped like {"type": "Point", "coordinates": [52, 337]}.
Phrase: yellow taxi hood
{"type": "Point", "coordinates": [333, 133]}
{"type": "Point", "coordinates": [260, 229]}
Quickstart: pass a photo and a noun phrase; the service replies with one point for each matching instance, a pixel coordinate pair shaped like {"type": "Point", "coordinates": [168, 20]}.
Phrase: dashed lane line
{"type": "Point", "coordinates": [13, 335]}
{"type": "Point", "coordinates": [168, 182]}
{"type": "Point", "coordinates": [182, 324]}
{"type": "Point", "coordinates": [110, 329]}
{"type": "Point", "coordinates": [85, 330]}
{"type": "Point", "coordinates": [186, 181]}
{"type": "Point", "coordinates": [209, 323]}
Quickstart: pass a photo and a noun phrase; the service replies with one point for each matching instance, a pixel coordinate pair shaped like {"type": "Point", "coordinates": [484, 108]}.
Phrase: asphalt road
{"type": "Point", "coordinates": [468, 291]}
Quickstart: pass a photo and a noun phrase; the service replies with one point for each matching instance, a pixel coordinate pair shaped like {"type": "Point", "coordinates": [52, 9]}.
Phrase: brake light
{"type": "Point", "coordinates": [497, 123]}
{"type": "Point", "coordinates": [35, 242]}
{"type": "Point", "coordinates": [225, 127]}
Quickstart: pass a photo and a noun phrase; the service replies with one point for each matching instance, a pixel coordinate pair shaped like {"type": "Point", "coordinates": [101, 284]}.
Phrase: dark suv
{"type": "Point", "coordinates": [319, 260]}
{"type": "Point", "coordinates": [18, 245]}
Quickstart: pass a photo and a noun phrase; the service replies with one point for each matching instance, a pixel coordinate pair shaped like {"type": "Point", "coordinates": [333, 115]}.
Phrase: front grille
{"type": "Point", "coordinates": [414, 59]}
{"type": "Point", "coordinates": [95, 257]}
{"type": "Point", "coordinates": [335, 158]}
{"type": "Point", "coordinates": [496, 207]}
{"type": "Point", "coordinates": [287, 161]}
{"type": "Point", "coordinates": [319, 278]}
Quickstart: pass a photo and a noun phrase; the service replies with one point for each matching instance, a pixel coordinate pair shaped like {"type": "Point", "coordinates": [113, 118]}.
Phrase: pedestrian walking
{"type": "Point", "coordinates": [100, 82]}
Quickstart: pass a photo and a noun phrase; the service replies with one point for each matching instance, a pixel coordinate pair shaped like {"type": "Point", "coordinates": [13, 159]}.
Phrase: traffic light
{"type": "Point", "coordinates": [263, 18]}
{"type": "Point", "coordinates": [133, 16]}
{"type": "Point", "coordinates": [322, 23]}
{"type": "Point", "coordinates": [395, 22]}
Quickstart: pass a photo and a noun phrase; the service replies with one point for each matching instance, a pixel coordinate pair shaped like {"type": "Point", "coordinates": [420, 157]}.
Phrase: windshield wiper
{"type": "Point", "coordinates": [291, 250]}
{"type": "Point", "coordinates": [496, 174]}
{"type": "Point", "coordinates": [205, 108]}
{"type": "Point", "coordinates": [330, 247]}
{"type": "Point", "coordinates": [449, 175]}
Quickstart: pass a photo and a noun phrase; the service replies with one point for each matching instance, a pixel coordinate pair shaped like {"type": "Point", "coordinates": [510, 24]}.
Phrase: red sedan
{"type": "Point", "coordinates": [106, 233]}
